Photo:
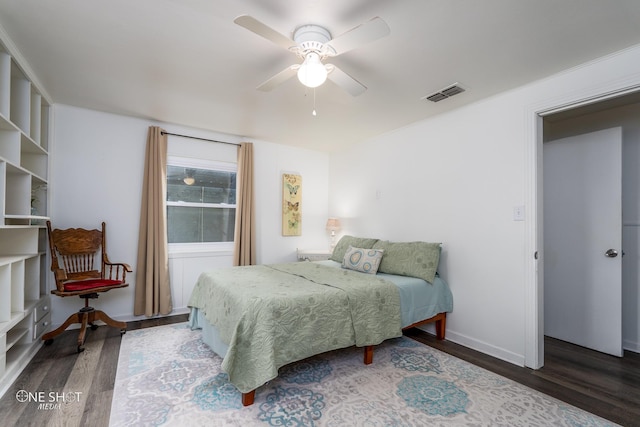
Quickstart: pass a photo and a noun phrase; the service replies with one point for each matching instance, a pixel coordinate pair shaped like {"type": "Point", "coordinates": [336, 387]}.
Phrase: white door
{"type": "Point", "coordinates": [583, 240]}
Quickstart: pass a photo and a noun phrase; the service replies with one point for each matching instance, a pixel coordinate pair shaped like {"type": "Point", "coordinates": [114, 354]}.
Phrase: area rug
{"type": "Point", "coordinates": [167, 376]}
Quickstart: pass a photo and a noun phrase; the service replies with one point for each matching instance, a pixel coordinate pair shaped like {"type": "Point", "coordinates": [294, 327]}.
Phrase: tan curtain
{"type": "Point", "coordinates": [244, 251]}
{"type": "Point", "coordinates": [153, 294]}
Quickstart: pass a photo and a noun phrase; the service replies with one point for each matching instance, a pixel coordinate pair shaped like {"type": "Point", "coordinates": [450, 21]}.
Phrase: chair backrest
{"type": "Point", "coordinates": [76, 254]}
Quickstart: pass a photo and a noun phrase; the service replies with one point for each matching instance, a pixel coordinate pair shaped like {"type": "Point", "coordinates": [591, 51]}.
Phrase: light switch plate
{"type": "Point", "coordinates": [518, 213]}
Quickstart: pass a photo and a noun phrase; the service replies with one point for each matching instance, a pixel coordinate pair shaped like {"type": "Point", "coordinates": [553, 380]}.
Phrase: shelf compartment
{"type": "Point", "coordinates": [17, 286]}
{"type": "Point", "coordinates": [18, 191]}
{"type": "Point", "coordinates": [15, 335]}
{"type": "Point", "coordinates": [32, 278]}
{"type": "Point", "coordinates": [19, 343]}
{"type": "Point", "coordinates": [20, 108]}
{"type": "Point", "coordinates": [20, 243]}
{"type": "Point", "coordinates": [33, 157]}
{"type": "Point", "coordinates": [44, 288]}
{"type": "Point", "coordinates": [16, 355]}
{"type": "Point", "coordinates": [10, 145]}
{"type": "Point", "coordinates": [36, 111]}
{"type": "Point", "coordinates": [38, 197]}
{"type": "Point", "coordinates": [5, 289]}
{"type": "Point", "coordinates": [44, 124]}
{"type": "Point", "coordinates": [5, 83]}
{"type": "Point", "coordinates": [17, 220]}
{"type": "Point", "coordinates": [16, 317]}
{"type": "Point", "coordinates": [3, 190]}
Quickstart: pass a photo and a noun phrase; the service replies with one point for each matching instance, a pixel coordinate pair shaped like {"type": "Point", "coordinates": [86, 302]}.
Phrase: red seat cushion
{"type": "Point", "coordinates": [90, 284]}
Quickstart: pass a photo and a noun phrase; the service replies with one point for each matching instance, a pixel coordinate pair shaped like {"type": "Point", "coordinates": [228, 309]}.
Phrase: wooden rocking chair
{"type": "Point", "coordinates": [75, 254]}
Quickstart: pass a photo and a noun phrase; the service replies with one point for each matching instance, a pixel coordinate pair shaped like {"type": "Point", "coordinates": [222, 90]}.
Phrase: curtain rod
{"type": "Point", "coordinates": [196, 137]}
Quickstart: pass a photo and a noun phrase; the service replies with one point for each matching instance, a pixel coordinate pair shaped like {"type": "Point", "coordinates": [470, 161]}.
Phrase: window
{"type": "Point", "coordinates": [201, 204]}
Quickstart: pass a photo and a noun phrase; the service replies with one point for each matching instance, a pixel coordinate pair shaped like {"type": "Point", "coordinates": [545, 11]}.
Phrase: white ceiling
{"type": "Point", "coordinates": [186, 62]}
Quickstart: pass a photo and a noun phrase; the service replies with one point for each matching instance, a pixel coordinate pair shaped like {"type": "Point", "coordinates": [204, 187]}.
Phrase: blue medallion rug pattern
{"type": "Point", "coordinates": [167, 376]}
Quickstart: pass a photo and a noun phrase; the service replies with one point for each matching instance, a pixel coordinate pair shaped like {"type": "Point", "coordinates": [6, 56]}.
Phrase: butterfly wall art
{"type": "Point", "coordinates": [291, 204]}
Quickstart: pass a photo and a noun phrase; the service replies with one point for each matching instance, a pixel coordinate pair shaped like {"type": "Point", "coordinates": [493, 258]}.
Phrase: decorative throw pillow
{"type": "Point", "coordinates": [363, 260]}
{"type": "Point", "coordinates": [346, 241]}
{"type": "Point", "coordinates": [414, 259]}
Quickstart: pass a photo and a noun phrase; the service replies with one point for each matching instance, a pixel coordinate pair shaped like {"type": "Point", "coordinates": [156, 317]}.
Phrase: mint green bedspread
{"type": "Point", "coordinates": [272, 315]}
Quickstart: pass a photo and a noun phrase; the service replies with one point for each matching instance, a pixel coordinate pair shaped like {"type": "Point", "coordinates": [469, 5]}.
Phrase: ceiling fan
{"type": "Point", "coordinates": [313, 44]}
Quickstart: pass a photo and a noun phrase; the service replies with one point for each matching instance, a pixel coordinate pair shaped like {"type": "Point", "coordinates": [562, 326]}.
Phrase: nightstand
{"type": "Point", "coordinates": [313, 255]}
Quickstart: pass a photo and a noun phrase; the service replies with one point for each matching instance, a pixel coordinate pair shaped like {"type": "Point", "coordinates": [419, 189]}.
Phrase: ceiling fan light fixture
{"type": "Point", "coordinates": [312, 73]}
{"type": "Point", "coordinates": [189, 178]}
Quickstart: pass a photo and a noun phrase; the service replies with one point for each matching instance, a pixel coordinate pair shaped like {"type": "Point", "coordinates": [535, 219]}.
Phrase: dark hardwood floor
{"type": "Point", "coordinates": [601, 384]}
{"type": "Point", "coordinates": [82, 384]}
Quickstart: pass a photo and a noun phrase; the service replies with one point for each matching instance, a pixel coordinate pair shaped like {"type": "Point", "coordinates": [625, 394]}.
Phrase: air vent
{"type": "Point", "coordinates": [445, 93]}
{"type": "Point", "coordinates": [436, 97]}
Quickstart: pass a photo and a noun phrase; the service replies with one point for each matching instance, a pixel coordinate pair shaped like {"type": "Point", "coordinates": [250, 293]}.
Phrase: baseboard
{"type": "Point", "coordinates": [132, 318]}
{"type": "Point", "coordinates": [631, 346]}
{"type": "Point", "coordinates": [483, 347]}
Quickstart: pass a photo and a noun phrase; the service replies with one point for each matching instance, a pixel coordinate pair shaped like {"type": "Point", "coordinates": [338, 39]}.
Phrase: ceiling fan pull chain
{"type": "Point", "coordinates": [314, 103]}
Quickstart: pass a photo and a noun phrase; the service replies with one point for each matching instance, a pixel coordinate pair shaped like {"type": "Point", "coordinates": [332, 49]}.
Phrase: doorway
{"type": "Point", "coordinates": [623, 111]}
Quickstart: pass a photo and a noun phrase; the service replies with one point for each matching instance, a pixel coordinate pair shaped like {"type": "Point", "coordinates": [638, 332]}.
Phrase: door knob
{"type": "Point", "coordinates": [611, 253]}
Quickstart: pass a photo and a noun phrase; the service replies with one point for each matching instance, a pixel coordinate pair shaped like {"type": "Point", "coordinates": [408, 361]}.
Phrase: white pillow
{"type": "Point", "coordinates": [363, 260]}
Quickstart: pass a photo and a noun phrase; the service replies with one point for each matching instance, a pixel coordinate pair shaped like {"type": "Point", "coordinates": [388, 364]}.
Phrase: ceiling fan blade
{"type": "Point", "coordinates": [255, 26]}
{"type": "Point", "coordinates": [364, 33]}
{"type": "Point", "coordinates": [279, 78]}
{"type": "Point", "coordinates": [345, 81]}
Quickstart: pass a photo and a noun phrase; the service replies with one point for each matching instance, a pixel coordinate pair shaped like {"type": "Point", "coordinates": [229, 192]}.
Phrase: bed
{"type": "Point", "coordinates": [260, 318]}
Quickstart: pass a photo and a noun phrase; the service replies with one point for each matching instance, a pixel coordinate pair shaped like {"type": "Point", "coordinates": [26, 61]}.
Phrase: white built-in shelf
{"type": "Point", "coordinates": [24, 172]}
{"type": "Point", "coordinates": [14, 335]}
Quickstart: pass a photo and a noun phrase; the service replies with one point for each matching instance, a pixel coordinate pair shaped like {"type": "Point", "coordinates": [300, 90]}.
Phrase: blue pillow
{"type": "Point", "coordinates": [363, 260]}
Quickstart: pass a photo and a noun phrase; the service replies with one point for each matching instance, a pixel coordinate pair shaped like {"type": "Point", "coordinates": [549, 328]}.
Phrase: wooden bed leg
{"type": "Point", "coordinates": [248, 398]}
{"type": "Point", "coordinates": [441, 326]}
{"type": "Point", "coordinates": [368, 355]}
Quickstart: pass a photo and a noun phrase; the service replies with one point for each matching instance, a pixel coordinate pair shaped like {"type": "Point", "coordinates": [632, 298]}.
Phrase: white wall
{"type": "Point", "coordinates": [449, 180]}
{"type": "Point", "coordinates": [627, 117]}
{"type": "Point", "coordinates": [456, 178]}
{"type": "Point", "coordinates": [96, 175]}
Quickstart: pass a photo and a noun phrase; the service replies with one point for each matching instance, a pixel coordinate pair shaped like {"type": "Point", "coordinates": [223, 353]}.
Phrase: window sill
{"type": "Point", "coordinates": [200, 254]}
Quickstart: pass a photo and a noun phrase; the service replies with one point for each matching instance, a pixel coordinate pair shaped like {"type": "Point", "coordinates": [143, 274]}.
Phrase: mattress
{"type": "Point", "coordinates": [419, 299]}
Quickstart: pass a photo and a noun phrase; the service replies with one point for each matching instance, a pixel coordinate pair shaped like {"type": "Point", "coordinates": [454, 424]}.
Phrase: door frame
{"type": "Point", "coordinates": [534, 233]}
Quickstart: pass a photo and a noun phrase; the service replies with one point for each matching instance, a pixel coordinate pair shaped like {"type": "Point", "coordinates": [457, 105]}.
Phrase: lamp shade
{"type": "Point", "coordinates": [312, 72]}
{"type": "Point", "coordinates": [333, 224]}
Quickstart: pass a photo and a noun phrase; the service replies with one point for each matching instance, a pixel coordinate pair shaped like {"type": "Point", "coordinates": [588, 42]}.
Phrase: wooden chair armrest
{"type": "Point", "coordinates": [115, 270]}
{"type": "Point", "coordinates": [126, 266]}
{"type": "Point", "coordinates": [59, 274]}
